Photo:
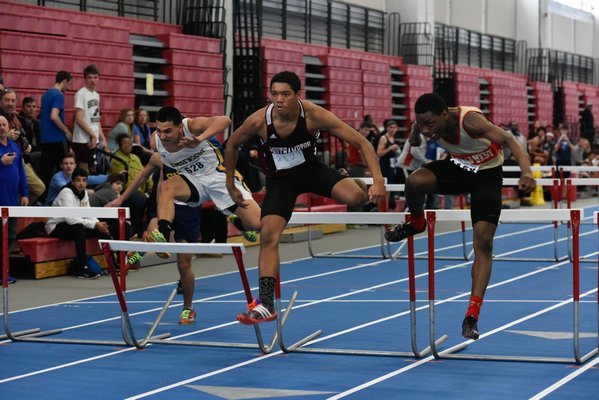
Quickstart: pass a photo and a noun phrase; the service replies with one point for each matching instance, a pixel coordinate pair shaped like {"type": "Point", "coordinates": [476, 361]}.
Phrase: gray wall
{"type": "Point", "coordinates": [537, 22]}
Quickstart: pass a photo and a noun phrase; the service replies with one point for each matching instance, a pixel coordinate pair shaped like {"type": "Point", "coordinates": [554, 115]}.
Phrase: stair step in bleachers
{"type": "Point", "coordinates": [150, 60]}
{"type": "Point", "coordinates": [11, 21]}
{"type": "Point", "coordinates": [107, 50]}
{"type": "Point", "coordinates": [197, 107]}
{"type": "Point", "coordinates": [190, 74]}
{"type": "Point", "coordinates": [145, 41]}
{"type": "Point", "coordinates": [193, 59]}
{"type": "Point", "coordinates": [190, 43]}
{"type": "Point", "coordinates": [34, 43]}
{"type": "Point", "coordinates": [543, 101]}
{"type": "Point", "coordinates": [191, 89]}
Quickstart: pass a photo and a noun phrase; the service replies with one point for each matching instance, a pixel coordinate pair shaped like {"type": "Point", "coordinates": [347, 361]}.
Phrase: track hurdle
{"type": "Point", "coordinates": [237, 249]}
{"type": "Point", "coordinates": [361, 218]}
{"type": "Point", "coordinates": [574, 216]}
{"type": "Point", "coordinates": [373, 218]}
{"type": "Point", "coordinates": [35, 334]}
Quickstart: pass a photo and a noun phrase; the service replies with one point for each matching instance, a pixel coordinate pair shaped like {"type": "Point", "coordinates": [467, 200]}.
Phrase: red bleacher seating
{"type": "Point", "coordinates": [48, 249]}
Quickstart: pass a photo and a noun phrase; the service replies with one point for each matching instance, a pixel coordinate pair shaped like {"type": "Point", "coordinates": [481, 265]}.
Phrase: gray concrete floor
{"type": "Point", "coordinates": [28, 293]}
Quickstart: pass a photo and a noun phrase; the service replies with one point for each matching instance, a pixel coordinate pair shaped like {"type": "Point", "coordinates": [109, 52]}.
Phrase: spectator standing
{"type": "Point", "coordinates": [8, 109]}
{"type": "Point", "coordinates": [388, 151]}
{"type": "Point", "coordinates": [373, 131]}
{"type": "Point", "coordinates": [587, 124]}
{"type": "Point", "coordinates": [13, 181]}
{"type": "Point", "coordinates": [31, 126]}
{"type": "Point", "coordinates": [62, 177]}
{"type": "Point", "coordinates": [54, 135]}
{"type": "Point", "coordinates": [87, 132]}
{"type": "Point", "coordinates": [77, 229]}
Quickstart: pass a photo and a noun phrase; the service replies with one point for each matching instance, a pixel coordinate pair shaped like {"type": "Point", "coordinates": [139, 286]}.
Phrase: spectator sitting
{"type": "Point", "coordinates": [141, 136]}
{"type": "Point", "coordinates": [108, 191]}
{"type": "Point", "coordinates": [581, 151]}
{"type": "Point", "coordinates": [535, 147]}
{"type": "Point", "coordinates": [137, 201]}
{"type": "Point", "coordinates": [13, 181]}
{"type": "Point", "coordinates": [123, 127]}
{"type": "Point", "coordinates": [62, 177]}
{"type": "Point", "coordinates": [77, 229]}
{"type": "Point", "coordinates": [104, 194]}
{"type": "Point", "coordinates": [8, 108]}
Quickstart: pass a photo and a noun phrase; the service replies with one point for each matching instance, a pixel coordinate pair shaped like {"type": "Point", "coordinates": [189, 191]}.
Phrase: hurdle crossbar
{"type": "Point", "coordinates": [373, 218]}
{"type": "Point", "coordinates": [360, 218]}
{"type": "Point", "coordinates": [237, 249]}
{"type": "Point", "coordinates": [35, 334]}
{"type": "Point", "coordinates": [574, 216]}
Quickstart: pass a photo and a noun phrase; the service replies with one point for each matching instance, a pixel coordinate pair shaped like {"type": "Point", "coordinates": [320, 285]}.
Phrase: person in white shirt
{"type": "Point", "coordinates": [77, 229]}
{"type": "Point", "coordinates": [87, 132]}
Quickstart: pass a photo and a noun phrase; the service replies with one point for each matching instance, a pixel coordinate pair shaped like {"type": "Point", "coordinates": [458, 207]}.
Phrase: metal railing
{"type": "Point", "coordinates": [554, 66]}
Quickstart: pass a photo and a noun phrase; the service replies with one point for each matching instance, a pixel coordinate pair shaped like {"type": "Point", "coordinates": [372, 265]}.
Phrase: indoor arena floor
{"type": "Point", "coordinates": [360, 303]}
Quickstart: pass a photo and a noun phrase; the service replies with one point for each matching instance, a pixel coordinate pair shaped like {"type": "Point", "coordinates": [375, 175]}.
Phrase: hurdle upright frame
{"type": "Point", "coordinates": [574, 216]}
{"type": "Point", "coordinates": [35, 334]}
{"type": "Point", "coordinates": [237, 249]}
{"type": "Point", "coordinates": [373, 218]}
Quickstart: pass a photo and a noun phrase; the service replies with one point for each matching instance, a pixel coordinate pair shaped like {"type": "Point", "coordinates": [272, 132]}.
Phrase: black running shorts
{"type": "Point", "coordinates": [484, 187]}
{"type": "Point", "coordinates": [281, 192]}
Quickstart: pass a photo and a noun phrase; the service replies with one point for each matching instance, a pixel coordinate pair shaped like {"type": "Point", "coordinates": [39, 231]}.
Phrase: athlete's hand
{"type": "Point", "coordinates": [376, 192]}
{"type": "Point", "coordinates": [189, 142]}
{"type": "Point", "coordinates": [527, 183]}
{"type": "Point", "coordinates": [237, 197]}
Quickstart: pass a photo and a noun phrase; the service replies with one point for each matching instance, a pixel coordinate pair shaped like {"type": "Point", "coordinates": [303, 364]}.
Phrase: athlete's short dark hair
{"type": "Point", "coordinates": [166, 114]}
{"type": "Point", "coordinates": [430, 102]}
{"type": "Point", "coordinates": [289, 78]}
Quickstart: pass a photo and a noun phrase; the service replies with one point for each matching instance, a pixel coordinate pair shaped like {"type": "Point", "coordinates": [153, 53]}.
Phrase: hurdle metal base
{"type": "Point", "coordinates": [298, 347]}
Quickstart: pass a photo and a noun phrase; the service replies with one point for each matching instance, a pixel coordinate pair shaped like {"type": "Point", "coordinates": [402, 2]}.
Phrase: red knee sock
{"type": "Point", "coordinates": [474, 306]}
{"type": "Point", "coordinates": [418, 221]}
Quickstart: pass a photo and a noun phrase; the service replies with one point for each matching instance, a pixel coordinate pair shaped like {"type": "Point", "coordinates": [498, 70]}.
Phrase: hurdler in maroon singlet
{"type": "Point", "coordinates": [283, 156]}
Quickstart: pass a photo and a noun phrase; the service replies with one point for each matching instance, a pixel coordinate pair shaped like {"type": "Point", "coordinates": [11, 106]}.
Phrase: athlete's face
{"type": "Point", "coordinates": [283, 97]}
{"type": "Point", "coordinates": [430, 124]}
{"type": "Point", "coordinates": [168, 132]}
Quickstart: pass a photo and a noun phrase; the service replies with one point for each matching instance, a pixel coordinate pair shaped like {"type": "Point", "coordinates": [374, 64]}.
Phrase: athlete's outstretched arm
{"type": "Point", "coordinates": [319, 118]}
{"type": "Point", "coordinates": [204, 128]}
{"type": "Point", "coordinates": [155, 162]}
{"type": "Point", "coordinates": [478, 125]}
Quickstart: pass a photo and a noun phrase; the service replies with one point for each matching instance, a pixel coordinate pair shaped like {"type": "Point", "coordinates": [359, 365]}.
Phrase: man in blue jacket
{"type": "Point", "coordinates": [13, 182]}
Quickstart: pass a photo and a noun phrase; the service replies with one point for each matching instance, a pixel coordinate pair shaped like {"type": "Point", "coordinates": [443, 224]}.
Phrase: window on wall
{"type": "Point", "coordinates": [327, 22]}
{"type": "Point", "coordinates": [583, 5]}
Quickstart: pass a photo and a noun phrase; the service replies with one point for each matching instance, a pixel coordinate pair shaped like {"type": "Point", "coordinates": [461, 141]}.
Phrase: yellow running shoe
{"type": "Point", "coordinates": [156, 237]}
{"type": "Point", "coordinates": [188, 316]}
{"type": "Point", "coordinates": [250, 236]}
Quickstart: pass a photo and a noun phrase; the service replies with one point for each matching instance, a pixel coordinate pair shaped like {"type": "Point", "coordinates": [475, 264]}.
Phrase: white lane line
{"type": "Point", "coordinates": [565, 380]}
{"type": "Point", "coordinates": [339, 333]}
{"type": "Point", "coordinates": [295, 280]}
{"type": "Point", "coordinates": [449, 350]}
{"type": "Point", "coordinates": [311, 304]}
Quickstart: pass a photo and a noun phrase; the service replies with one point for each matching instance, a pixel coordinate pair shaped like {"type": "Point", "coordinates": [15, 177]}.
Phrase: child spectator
{"type": "Point", "coordinates": [77, 229]}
